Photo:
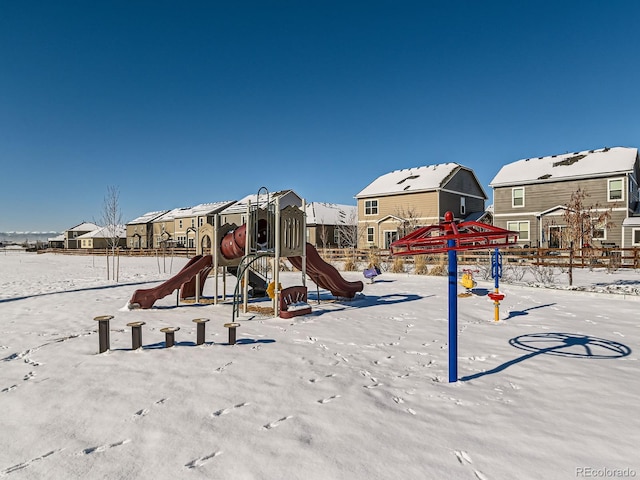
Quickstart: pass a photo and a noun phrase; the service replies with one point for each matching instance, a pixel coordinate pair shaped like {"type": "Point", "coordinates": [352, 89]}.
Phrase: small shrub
{"type": "Point", "coordinates": [542, 274]}
{"type": "Point", "coordinates": [350, 265]}
{"type": "Point", "coordinates": [398, 265]}
{"type": "Point", "coordinates": [441, 269]}
{"type": "Point", "coordinates": [421, 265]}
{"type": "Point", "coordinates": [373, 257]}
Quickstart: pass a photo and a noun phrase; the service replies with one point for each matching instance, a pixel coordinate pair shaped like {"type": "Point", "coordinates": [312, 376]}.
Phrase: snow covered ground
{"type": "Point", "coordinates": [356, 390]}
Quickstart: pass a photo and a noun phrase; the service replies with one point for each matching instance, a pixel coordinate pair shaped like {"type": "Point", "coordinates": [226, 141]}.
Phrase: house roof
{"type": "Point", "coordinates": [590, 163]}
{"type": "Point", "coordinates": [203, 209]}
{"type": "Point", "coordinates": [320, 213]}
{"type": "Point", "coordinates": [106, 232]}
{"type": "Point", "coordinates": [261, 200]}
{"type": "Point", "coordinates": [417, 179]}
{"type": "Point", "coordinates": [84, 227]}
{"type": "Point", "coordinates": [147, 217]}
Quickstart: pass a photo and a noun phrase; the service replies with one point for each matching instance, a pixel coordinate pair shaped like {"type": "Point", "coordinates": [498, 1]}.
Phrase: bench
{"type": "Point", "coordinates": [293, 302]}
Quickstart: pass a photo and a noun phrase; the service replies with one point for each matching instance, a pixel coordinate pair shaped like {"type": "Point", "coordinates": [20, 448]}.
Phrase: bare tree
{"type": "Point", "coordinates": [323, 233]}
{"type": "Point", "coordinates": [112, 221]}
{"type": "Point", "coordinates": [347, 229]}
{"type": "Point", "coordinates": [409, 220]}
{"type": "Point", "coordinates": [585, 222]}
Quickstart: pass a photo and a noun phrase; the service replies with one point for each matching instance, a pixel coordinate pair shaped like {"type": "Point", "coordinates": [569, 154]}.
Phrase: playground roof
{"type": "Point", "coordinates": [416, 179]}
{"type": "Point", "coordinates": [586, 164]}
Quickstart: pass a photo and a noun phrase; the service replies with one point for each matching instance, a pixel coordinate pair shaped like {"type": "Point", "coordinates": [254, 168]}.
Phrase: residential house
{"type": "Point", "coordinates": [57, 241]}
{"type": "Point", "coordinates": [398, 202]}
{"type": "Point", "coordinates": [140, 230]}
{"type": "Point", "coordinates": [104, 237]}
{"type": "Point", "coordinates": [189, 220]}
{"type": "Point", "coordinates": [532, 195]}
{"type": "Point", "coordinates": [71, 235]}
{"type": "Point", "coordinates": [330, 225]}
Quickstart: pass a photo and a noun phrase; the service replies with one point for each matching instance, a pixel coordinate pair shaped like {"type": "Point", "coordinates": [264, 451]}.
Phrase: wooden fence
{"type": "Point", "coordinates": [611, 258]}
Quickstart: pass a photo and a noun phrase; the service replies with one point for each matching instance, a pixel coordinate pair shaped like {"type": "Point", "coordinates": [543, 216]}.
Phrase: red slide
{"type": "Point", "coordinates": [145, 298]}
{"type": "Point", "coordinates": [325, 275]}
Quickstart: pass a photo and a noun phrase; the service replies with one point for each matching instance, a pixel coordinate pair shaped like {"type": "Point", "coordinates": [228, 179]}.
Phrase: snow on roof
{"type": "Point", "coordinates": [202, 209]}
{"type": "Point", "coordinates": [84, 227]}
{"type": "Point", "coordinates": [147, 217]}
{"type": "Point", "coordinates": [109, 231]}
{"type": "Point", "coordinates": [58, 238]}
{"type": "Point", "coordinates": [331, 214]}
{"type": "Point", "coordinates": [410, 180]}
{"type": "Point", "coordinates": [241, 205]}
{"type": "Point", "coordinates": [589, 163]}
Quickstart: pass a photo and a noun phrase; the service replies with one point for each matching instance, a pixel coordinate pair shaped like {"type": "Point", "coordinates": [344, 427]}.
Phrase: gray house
{"type": "Point", "coordinates": [531, 196]}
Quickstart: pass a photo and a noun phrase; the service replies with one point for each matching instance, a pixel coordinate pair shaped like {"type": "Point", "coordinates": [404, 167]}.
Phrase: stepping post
{"type": "Point", "coordinates": [103, 332]}
{"type": "Point", "coordinates": [201, 322]}
{"type": "Point", "coordinates": [169, 333]}
{"type": "Point", "coordinates": [136, 334]}
{"type": "Point", "coordinates": [232, 332]}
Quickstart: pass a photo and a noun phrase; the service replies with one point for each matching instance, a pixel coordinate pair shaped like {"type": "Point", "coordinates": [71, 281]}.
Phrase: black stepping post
{"type": "Point", "coordinates": [103, 332]}
{"type": "Point", "coordinates": [201, 323]}
{"type": "Point", "coordinates": [169, 333]}
{"type": "Point", "coordinates": [136, 334]}
{"type": "Point", "coordinates": [232, 332]}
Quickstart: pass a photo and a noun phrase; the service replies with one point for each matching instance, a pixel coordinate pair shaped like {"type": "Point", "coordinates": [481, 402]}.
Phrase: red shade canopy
{"type": "Point", "coordinates": [465, 235]}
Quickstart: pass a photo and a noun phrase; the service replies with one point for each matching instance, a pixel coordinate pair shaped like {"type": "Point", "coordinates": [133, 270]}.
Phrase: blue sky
{"type": "Point", "coordinates": [180, 103]}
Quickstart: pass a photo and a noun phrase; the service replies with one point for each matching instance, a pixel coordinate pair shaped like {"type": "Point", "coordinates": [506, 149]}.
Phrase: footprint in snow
{"type": "Point", "coordinates": [327, 400]}
{"type": "Point", "coordinates": [8, 389]}
{"type": "Point", "coordinates": [141, 413]}
{"type": "Point", "coordinates": [198, 462]}
{"type": "Point", "coordinates": [224, 411]}
{"type": "Point", "coordinates": [102, 448]}
{"type": "Point", "coordinates": [462, 456]}
{"type": "Point", "coordinates": [271, 425]}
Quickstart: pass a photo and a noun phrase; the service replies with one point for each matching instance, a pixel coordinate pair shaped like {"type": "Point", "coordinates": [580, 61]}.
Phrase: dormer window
{"type": "Point", "coordinates": [614, 189]}
{"type": "Point", "coordinates": [517, 197]}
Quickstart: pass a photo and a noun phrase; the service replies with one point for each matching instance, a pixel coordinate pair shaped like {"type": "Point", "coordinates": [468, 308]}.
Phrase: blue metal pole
{"type": "Point", "coordinates": [453, 313]}
{"type": "Point", "coordinates": [497, 270]}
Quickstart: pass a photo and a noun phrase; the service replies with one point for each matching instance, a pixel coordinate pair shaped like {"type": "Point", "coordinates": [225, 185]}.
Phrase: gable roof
{"type": "Point", "coordinates": [587, 164]}
{"type": "Point", "coordinates": [84, 227]}
{"type": "Point", "coordinates": [290, 198]}
{"type": "Point", "coordinates": [202, 209]}
{"type": "Point", "coordinates": [147, 217]}
{"type": "Point", "coordinates": [331, 214]}
{"type": "Point", "coordinates": [419, 179]}
{"type": "Point", "coordinates": [110, 231]}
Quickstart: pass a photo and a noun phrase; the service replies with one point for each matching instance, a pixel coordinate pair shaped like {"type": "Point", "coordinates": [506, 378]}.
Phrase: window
{"type": "Point", "coordinates": [369, 234]}
{"type": "Point", "coordinates": [179, 223]}
{"type": "Point", "coordinates": [200, 221]}
{"type": "Point", "coordinates": [614, 188]}
{"type": "Point", "coordinates": [463, 206]}
{"type": "Point", "coordinates": [517, 197]}
{"type": "Point", "coordinates": [371, 207]}
{"type": "Point", "coordinates": [336, 236]}
{"type": "Point", "coordinates": [521, 227]}
{"type": "Point", "coordinates": [635, 237]}
{"type": "Point", "coordinates": [598, 231]}
{"type": "Point", "coordinates": [390, 237]}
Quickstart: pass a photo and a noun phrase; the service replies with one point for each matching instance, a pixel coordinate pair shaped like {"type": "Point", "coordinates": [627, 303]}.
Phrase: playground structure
{"type": "Point", "coordinates": [449, 236]}
{"type": "Point", "coordinates": [251, 252]}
